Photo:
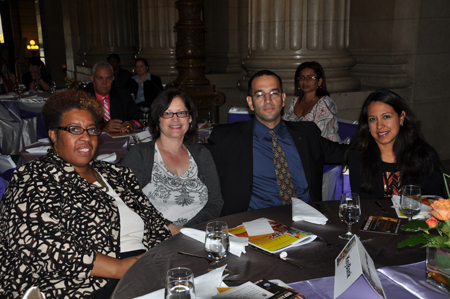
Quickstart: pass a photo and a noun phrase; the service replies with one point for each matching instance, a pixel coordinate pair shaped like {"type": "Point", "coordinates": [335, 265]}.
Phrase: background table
{"type": "Point", "coordinates": [317, 259]}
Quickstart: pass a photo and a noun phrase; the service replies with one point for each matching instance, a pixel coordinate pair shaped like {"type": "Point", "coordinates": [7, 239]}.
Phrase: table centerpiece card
{"type": "Point", "coordinates": [351, 264]}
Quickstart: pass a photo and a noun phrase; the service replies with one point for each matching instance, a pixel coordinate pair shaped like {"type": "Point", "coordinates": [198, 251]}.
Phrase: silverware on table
{"type": "Point", "coordinates": [383, 210]}
{"type": "Point", "coordinates": [211, 261]}
{"type": "Point", "coordinates": [274, 255]}
{"type": "Point", "coordinates": [328, 243]}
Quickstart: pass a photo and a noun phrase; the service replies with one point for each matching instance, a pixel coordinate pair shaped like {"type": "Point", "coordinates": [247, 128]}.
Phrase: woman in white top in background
{"type": "Point", "coordinates": [313, 102]}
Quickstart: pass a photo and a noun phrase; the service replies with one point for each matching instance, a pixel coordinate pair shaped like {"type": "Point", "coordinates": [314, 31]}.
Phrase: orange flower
{"type": "Point", "coordinates": [64, 66]}
{"type": "Point", "coordinates": [432, 222]}
{"type": "Point", "coordinates": [441, 209]}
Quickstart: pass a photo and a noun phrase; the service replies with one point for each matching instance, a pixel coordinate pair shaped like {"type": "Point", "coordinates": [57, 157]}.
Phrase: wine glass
{"type": "Point", "coordinates": [349, 212]}
{"type": "Point", "coordinates": [180, 284]}
{"type": "Point", "coordinates": [143, 119]}
{"type": "Point", "coordinates": [411, 200]}
{"type": "Point", "coordinates": [217, 241]}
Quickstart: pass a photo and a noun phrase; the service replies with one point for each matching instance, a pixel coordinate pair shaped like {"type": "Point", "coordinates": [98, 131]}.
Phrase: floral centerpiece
{"type": "Point", "coordinates": [438, 244]}
{"type": "Point", "coordinates": [69, 83]}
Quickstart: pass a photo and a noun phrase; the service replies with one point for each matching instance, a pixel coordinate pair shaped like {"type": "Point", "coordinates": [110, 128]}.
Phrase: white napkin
{"type": "Point", "coordinates": [205, 285]}
{"type": "Point", "coordinates": [33, 293]}
{"type": "Point", "coordinates": [144, 136]}
{"type": "Point", "coordinates": [303, 211]}
{"type": "Point", "coordinates": [422, 214]}
{"type": "Point", "coordinates": [107, 157]}
{"type": "Point", "coordinates": [38, 150]}
{"type": "Point", "coordinates": [7, 96]}
{"type": "Point", "coordinates": [237, 244]}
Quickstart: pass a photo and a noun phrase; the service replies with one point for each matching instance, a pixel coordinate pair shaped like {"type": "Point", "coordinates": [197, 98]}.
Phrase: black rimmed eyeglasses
{"type": "Point", "coordinates": [260, 95]}
{"type": "Point", "coordinates": [180, 114]}
{"type": "Point", "coordinates": [307, 78]}
{"type": "Point", "coordinates": [77, 130]}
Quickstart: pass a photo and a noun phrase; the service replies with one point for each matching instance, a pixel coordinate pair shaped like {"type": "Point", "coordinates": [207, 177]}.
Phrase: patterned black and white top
{"type": "Point", "coordinates": [53, 223]}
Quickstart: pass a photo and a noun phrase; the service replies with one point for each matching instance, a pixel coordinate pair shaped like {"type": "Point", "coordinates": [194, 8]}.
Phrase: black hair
{"type": "Point", "coordinates": [263, 73]}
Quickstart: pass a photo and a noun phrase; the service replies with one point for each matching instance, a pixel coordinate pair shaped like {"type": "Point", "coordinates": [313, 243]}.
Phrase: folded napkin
{"type": "Point", "coordinates": [33, 293]}
{"type": "Point", "coordinates": [237, 244]}
{"type": "Point", "coordinates": [143, 136]}
{"type": "Point", "coordinates": [7, 96]}
{"type": "Point", "coordinates": [422, 214]}
{"type": "Point", "coordinates": [107, 157]}
{"type": "Point", "coordinates": [38, 150]}
{"type": "Point", "coordinates": [303, 211]}
{"type": "Point", "coordinates": [205, 285]}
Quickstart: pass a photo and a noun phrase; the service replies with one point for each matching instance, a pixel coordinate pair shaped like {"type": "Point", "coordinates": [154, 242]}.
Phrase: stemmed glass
{"type": "Point", "coordinates": [180, 283]}
{"type": "Point", "coordinates": [217, 241]}
{"type": "Point", "coordinates": [143, 119]}
{"type": "Point", "coordinates": [411, 200]}
{"type": "Point", "coordinates": [349, 212]}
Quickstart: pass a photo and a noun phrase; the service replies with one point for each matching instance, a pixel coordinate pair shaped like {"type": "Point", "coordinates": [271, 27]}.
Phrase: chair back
{"type": "Point", "coordinates": [347, 128]}
{"type": "Point", "coordinates": [236, 114]}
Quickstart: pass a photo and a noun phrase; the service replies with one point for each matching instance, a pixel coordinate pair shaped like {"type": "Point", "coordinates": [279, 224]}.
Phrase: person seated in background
{"type": "Point", "coordinates": [144, 85]}
{"type": "Point", "coordinates": [313, 102]}
{"type": "Point", "coordinates": [121, 76]}
{"type": "Point", "coordinates": [38, 77]}
{"type": "Point", "coordinates": [121, 113]}
{"type": "Point", "coordinates": [178, 176]}
{"type": "Point", "coordinates": [7, 79]}
{"type": "Point", "coordinates": [266, 161]}
{"type": "Point", "coordinates": [389, 151]}
{"type": "Point", "coordinates": [69, 224]}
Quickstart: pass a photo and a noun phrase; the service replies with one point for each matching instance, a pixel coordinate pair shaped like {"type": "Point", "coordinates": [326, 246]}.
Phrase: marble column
{"type": "Point", "coordinates": [285, 33]}
{"type": "Point", "coordinates": [110, 29]}
{"type": "Point", "coordinates": [157, 37]}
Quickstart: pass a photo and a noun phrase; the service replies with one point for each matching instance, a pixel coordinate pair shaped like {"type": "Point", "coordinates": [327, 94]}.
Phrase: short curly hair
{"type": "Point", "coordinates": [61, 102]}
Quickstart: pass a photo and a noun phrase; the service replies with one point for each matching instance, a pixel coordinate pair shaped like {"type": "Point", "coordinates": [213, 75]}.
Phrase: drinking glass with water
{"type": "Point", "coordinates": [349, 212]}
{"type": "Point", "coordinates": [180, 284]}
{"type": "Point", "coordinates": [217, 241]}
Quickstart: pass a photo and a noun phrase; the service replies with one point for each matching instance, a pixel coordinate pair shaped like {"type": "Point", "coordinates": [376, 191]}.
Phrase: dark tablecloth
{"type": "Point", "coordinates": [148, 273]}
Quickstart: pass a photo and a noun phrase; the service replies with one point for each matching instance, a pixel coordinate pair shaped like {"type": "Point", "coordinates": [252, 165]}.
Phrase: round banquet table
{"type": "Point", "coordinates": [316, 259]}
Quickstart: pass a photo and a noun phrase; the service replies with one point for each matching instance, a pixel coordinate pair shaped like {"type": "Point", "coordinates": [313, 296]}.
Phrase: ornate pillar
{"type": "Point", "coordinates": [110, 29]}
{"type": "Point", "coordinates": [157, 36]}
{"type": "Point", "coordinates": [191, 54]}
{"type": "Point", "coordinates": [285, 33]}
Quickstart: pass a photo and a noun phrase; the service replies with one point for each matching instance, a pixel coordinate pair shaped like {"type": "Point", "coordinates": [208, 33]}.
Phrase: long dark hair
{"type": "Point", "coordinates": [317, 68]}
{"type": "Point", "coordinates": [415, 158]}
{"type": "Point", "coordinates": [162, 103]}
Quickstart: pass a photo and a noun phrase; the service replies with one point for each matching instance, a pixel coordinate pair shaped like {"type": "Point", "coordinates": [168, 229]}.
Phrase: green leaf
{"type": "Point", "coordinates": [416, 224]}
{"type": "Point", "coordinates": [413, 241]}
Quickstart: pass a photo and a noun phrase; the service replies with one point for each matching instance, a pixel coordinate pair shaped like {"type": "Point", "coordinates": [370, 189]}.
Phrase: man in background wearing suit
{"type": "Point", "coordinates": [120, 112]}
{"type": "Point", "coordinates": [244, 153]}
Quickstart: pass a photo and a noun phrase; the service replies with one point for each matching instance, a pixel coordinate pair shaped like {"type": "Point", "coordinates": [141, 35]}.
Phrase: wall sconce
{"type": "Point", "coordinates": [32, 47]}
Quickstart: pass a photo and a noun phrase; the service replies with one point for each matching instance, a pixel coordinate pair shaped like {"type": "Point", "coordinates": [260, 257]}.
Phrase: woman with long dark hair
{"type": "Point", "coordinates": [389, 151]}
{"type": "Point", "coordinates": [313, 102]}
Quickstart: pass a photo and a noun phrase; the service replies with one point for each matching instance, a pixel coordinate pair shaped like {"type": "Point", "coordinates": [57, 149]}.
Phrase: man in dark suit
{"type": "Point", "coordinates": [120, 111]}
{"type": "Point", "coordinates": [121, 76]}
{"type": "Point", "coordinates": [243, 152]}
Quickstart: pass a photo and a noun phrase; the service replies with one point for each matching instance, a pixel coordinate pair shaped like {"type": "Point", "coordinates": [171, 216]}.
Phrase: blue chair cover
{"type": "Point", "coordinates": [343, 184]}
{"type": "Point", "coordinates": [346, 129]}
{"type": "Point", "coordinates": [239, 114]}
{"type": "Point", "coordinates": [2, 188]}
{"type": "Point", "coordinates": [41, 132]}
{"type": "Point", "coordinates": [7, 174]}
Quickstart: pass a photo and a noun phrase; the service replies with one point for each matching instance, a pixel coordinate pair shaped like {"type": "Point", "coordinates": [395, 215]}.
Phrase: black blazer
{"type": "Point", "coordinates": [231, 146]}
{"type": "Point", "coordinates": [152, 88]}
{"type": "Point", "coordinates": [430, 185]}
{"type": "Point", "coordinates": [121, 104]}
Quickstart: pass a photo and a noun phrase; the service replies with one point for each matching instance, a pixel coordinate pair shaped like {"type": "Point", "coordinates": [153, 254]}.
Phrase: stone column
{"type": "Point", "coordinates": [110, 30]}
{"type": "Point", "coordinates": [285, 33]}
{"type": "Point", "coordinates": [157, 36]}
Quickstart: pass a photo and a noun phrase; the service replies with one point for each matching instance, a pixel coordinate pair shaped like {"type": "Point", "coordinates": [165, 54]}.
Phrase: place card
{"type": "Point", "coordinates": [355, 272]}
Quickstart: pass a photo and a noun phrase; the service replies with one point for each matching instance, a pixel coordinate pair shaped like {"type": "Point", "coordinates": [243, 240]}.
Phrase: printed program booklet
{"type": "Point", "coordinates": [380, 224]}
{"type": "Point", "coordinates": [282, 237]}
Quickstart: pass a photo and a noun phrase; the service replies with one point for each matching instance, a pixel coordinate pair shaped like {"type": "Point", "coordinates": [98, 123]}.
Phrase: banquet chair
{"type": "Point", "coordinates": [346, 129]}
{"type": "Point", "coordinates": [7, 167]}
{"type": "Point", "coordinates": [236, 114]}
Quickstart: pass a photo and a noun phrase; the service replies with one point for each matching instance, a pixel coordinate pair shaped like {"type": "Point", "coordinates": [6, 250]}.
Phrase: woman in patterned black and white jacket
{"type": "Point", "coordinates": [69, 224]}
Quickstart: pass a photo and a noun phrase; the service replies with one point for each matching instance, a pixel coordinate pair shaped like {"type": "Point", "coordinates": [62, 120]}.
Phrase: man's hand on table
{"type": "Point", "coordinates": [117, 126]}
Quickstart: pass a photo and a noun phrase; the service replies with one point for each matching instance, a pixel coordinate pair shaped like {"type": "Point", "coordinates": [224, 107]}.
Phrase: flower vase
{"type": "Point", "coordinates": [438, 268]}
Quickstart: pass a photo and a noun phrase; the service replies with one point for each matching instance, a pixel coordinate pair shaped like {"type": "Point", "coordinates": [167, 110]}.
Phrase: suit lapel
{"type": "Point", "coordinates": [245, 139]}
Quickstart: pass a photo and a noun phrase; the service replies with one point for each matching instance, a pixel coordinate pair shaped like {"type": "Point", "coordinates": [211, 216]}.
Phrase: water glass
{"type": "Point", "coordinates": [217, 241]}
{"type": "Point", "coordinates": [143, 119]}
{"type": "Point", "coordinates": [411, 200]}
{"type": "Point", "coordinates": [180, 284]}
{"type": "Point", "coordinates": [349, 212]}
